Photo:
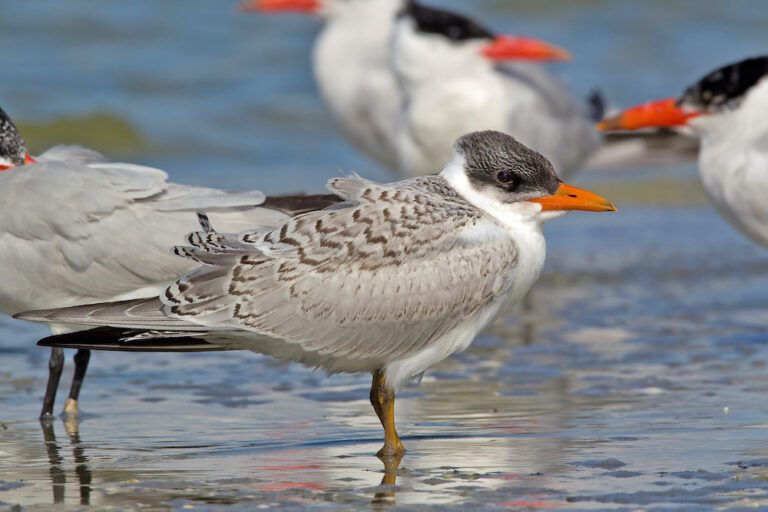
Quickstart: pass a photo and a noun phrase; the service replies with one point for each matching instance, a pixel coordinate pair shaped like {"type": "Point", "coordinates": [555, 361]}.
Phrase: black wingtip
{"type": "Point", "coordinates": [128, 340]}
{"type": "Point", "coordinates": [296, 204]}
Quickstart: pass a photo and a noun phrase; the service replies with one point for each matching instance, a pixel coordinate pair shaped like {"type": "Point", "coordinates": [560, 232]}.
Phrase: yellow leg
{"type": "Point", "coordinates": [383, 401]}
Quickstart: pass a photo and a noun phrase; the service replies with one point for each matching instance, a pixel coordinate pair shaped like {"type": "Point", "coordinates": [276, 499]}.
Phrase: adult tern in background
{"type": "Point", "coordinates": [352, 66]}
{"type": "Point", "coordinates": [77, 229]}
{"type": "Point", "coordinates": [392, 281]}
{"type": "Point", "coordinates": [728, 110]}
{"type": "Point", "coordinates": [452, 83]}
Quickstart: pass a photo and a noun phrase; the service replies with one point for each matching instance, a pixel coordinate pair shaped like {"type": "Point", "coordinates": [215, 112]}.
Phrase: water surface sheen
{"type": "Point", "coordinates": [633, 378]}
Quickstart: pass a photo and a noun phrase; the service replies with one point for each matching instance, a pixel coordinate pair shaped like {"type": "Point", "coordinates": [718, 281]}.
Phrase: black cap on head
{"type": "Point", "coordinates": [495, 159]}
{"type": "Point", "coordinates": [725, 87]}
{"type": "Point", "coordinates": [13, 149]}
{"type": "Point", "coordinates": [448, 24]}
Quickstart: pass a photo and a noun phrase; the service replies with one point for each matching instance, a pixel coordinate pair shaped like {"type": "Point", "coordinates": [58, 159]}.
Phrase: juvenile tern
{"type": "Point", "coordinates": [728, 110]}
{"type": "Point", "coordinates": [77, 229]}
{"type": "Point", "coordinates": [392, 281]}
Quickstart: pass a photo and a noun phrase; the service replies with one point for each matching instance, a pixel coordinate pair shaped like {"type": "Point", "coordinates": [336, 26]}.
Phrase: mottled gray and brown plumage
{"type": "Point", "coordinates": [350, 287]}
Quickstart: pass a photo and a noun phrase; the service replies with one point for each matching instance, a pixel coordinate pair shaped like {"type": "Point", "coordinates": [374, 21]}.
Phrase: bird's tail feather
{"type": "Point", "coordinates": [643, 149]}
{"type": "Point", "coordinates": [597, 105]}
{"type": "Point", "coordinates": [145, 314]}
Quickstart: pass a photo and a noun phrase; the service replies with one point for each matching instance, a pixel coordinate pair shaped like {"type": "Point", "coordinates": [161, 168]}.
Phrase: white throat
{"type": "Point", "coordinates": [419, 59]}
{"type": "Point", "coordinates": [512, 215]}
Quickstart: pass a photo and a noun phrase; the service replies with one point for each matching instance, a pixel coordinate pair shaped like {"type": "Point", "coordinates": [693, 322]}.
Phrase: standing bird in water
{"type": "Point", "coordinates": [391, 281]}
{"type": "Point", "coordinates": [72, 223]}
{"type": "Point", "coordinates": [728, 110]}
{"type": "Point", "coordinates": [453, 82]}
{"type": "Point", "coordinates": [352, 62]}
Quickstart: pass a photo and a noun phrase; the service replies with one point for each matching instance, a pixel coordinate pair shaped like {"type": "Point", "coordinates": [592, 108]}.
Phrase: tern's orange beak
{"type": "Point", "coordinates": [522, 48]}
{"type": "Point", "coordinates": [309, 6]}
{"type": "Point", "coordinates": [654, 114]}
{"type": "Point", "coordinates": [568, 197]}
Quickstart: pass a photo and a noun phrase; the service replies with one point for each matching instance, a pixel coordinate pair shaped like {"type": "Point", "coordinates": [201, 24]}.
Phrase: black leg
{"type": "Point", "coordinates": [82, 358]}
{"type": "Point", "coordinates": [55, 367]}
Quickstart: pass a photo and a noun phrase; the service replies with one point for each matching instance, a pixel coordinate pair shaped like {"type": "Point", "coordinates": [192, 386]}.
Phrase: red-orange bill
{"type": "Point", "coordinates": [27, 160]}
{"type": "Point", "coordinates": [654, 114]}
{"type": "Point", "coordinates": [569, 197]}
{"type": "Point", "coordinates": [523, 48]}
{"type": "Point", "coordinates": [281, 5]}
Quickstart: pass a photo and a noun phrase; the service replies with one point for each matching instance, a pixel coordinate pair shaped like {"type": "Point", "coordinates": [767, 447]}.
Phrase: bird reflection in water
{"type": "Point", "coordinates": [385, 496]}
{"type": "Point", "coordinates": [280, 480]}
{"type": "Point", "coordinates": [56, 461]}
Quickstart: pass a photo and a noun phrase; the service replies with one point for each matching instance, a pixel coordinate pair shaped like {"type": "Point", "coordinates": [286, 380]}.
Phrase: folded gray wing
{"type": "Point", "coordinates": [77, 234]}
{"type": "Point", "coordinates": [639, 149]}
{"type": "Point", "coordinates": [380, 278]}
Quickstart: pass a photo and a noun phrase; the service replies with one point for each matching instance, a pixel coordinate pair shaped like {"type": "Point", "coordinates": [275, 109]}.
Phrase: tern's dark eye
{"type": "Point", "coordinates": [505, 177]}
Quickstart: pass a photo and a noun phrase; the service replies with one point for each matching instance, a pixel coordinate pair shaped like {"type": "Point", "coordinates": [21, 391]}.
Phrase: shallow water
{"type": "Point", "coordinates": [634, 377]}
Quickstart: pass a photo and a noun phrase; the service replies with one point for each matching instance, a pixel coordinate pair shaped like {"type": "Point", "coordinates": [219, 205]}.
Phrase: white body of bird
{"type": "Point", "coordinates": [449, 88]}
{"type": "Point", "coordinates": [733, 162]}
{"type": "Point", "coordinates": [351, 62]}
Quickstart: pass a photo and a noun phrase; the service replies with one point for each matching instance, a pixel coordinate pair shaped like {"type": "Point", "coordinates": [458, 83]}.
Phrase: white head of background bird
{"type": "Point", "coordinates": [731, 98]}
{"type": "Point", "coordinates": [13, 149]}
{"type": "Point", "coordinates": [437, 42]}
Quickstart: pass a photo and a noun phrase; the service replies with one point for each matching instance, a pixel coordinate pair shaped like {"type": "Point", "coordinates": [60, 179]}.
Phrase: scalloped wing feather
{"type": "Point", "coordinates": [366, 282]}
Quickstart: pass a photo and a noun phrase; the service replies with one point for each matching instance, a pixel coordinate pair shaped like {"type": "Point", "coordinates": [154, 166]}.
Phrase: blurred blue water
{"type": "Point", "coordinates": [227, 99]}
